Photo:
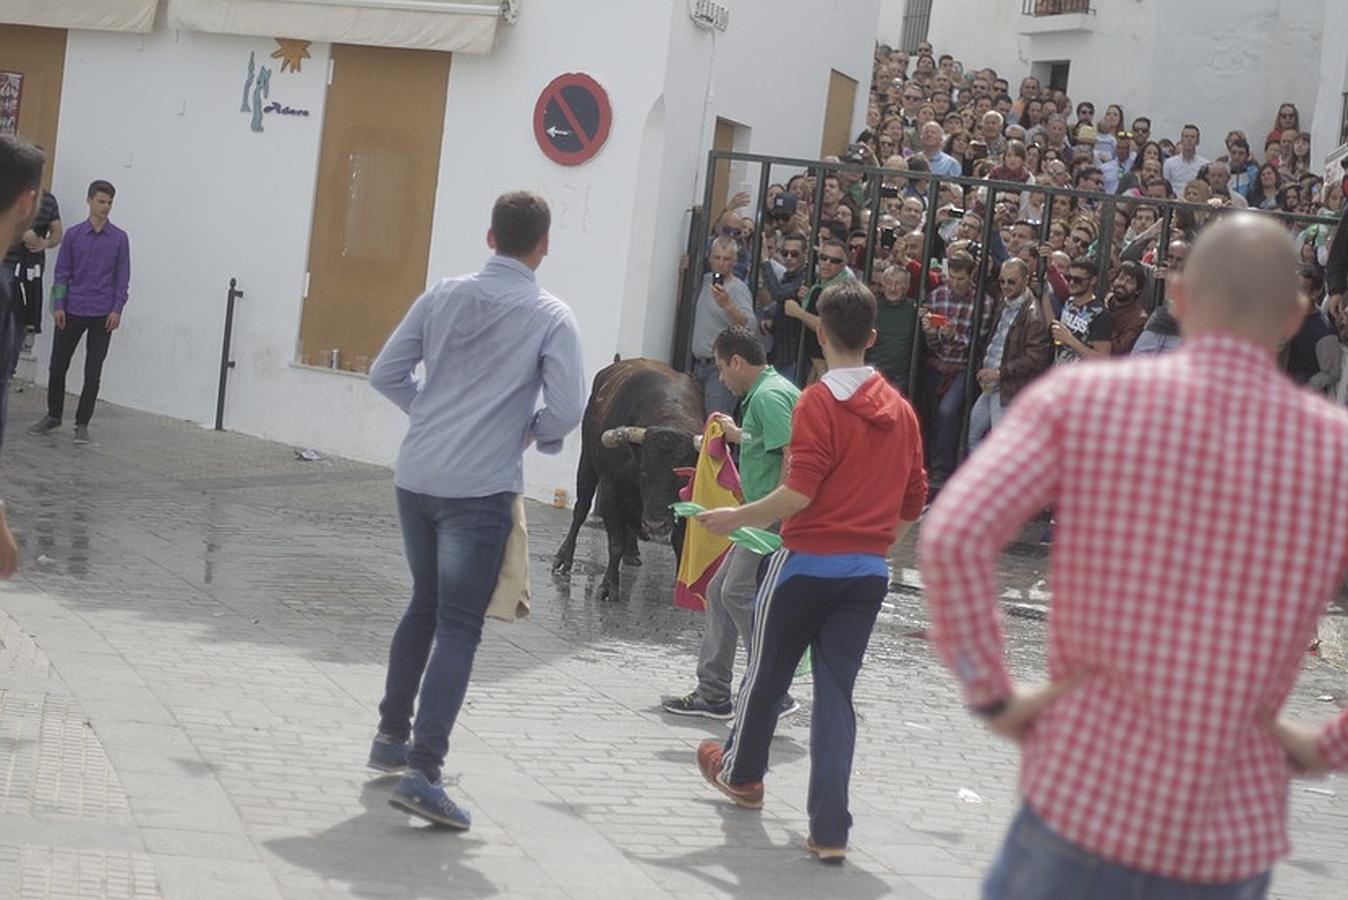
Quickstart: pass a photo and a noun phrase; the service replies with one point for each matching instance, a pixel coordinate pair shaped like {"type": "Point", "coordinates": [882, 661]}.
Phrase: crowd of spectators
{"type": "Point", "coordinates": [1064, 277]}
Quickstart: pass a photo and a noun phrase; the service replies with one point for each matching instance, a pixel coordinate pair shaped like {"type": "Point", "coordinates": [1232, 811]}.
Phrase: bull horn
{"type": "Point", "coordinates": [697, 442]}
{"type": "Point", "coordinates": [627, 434]}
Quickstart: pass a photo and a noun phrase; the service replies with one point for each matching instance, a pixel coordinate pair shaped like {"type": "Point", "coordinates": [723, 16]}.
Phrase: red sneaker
{"type": "Point", "coordinates": [709, 756]}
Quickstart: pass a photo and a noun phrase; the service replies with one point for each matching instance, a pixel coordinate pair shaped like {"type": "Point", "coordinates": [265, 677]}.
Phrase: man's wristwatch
{"type": "Point", "coordinates": [991, 710]}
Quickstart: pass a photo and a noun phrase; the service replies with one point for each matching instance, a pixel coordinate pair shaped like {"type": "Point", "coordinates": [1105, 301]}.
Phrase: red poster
{"type": "Point", "coordinates": [11, 92]}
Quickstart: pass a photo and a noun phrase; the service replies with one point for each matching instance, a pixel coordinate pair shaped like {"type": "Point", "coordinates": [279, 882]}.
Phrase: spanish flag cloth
{"type": "Point", "coordinates": [714, 483]}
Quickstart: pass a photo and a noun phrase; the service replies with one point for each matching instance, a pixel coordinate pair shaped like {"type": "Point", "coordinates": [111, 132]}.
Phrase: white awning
{"type": "Point", "coordinates": [103, 15]}
{"type": "Point", "coordinates": [461, 26]}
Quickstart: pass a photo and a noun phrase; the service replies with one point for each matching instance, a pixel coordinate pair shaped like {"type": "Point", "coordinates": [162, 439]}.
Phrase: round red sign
{"type": "Point", "coordinates": [572, 119]}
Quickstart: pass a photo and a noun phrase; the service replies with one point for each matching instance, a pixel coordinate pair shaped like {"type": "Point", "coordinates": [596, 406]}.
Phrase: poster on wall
{"type": "Point", "coordinates": [11, 92]}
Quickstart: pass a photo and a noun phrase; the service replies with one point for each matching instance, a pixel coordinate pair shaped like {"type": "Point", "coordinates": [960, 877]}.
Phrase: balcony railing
{"type": "Point", "coordinates": [1054, 7]}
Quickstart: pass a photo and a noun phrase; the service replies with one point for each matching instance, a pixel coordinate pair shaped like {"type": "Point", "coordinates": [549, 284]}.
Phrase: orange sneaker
{"type": "Point", "coordinates": [709, 756]}
{"type": "Point", "coordinates": [832, 856]}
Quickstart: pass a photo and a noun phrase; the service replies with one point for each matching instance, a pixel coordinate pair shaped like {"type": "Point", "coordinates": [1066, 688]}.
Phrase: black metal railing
{"type": "Point", "coordinates": [1176, 218]}
{"type": "Point", "coordinates": [226, 363]}
{"type": "Point", "coordinates": [1054, 7]}
{"type": "Point", "coordinates": [1343, 121]}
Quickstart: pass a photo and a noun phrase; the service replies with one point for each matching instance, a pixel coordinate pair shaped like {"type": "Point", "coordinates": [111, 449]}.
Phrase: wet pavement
{"type": "Point", "coordinates": [192, 653]}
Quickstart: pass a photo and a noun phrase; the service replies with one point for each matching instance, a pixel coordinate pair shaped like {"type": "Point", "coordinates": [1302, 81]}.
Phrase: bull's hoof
{"type": "Point", "coordinates": [632, 559]}
{"type": "Point", "coordinates": [609, 590]}
{"type": "Point", "coordinates": [561, 566]}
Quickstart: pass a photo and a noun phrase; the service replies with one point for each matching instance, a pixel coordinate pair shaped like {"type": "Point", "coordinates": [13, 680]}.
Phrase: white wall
{"type": "Point", "coordinates": [1332, 80]}
{"type": "Point", "coordinates": [1222, 66]}
{"type": "Point", "coordinates": [205, 198]}
{"type": "Point", "coordinates": [890, 30]}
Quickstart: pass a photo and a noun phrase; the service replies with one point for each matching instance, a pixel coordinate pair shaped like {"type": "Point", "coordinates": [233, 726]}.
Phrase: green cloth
{"type": "Point", "coordinates": [764, 543]}
{"type": "Point", "coordinates": [767, 429]}
{"type": "Point", "coordinates": [896, 332]}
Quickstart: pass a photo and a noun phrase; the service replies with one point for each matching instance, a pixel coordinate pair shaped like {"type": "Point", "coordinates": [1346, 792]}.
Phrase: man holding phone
{"type": "Point", "coordinates": [724, 302]}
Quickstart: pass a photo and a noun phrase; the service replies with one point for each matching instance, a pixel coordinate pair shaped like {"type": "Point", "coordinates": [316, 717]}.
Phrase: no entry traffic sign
{"type": "Point", "coordinates": [572, 118]}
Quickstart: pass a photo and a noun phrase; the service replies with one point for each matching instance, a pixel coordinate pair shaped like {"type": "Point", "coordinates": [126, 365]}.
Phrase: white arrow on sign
{"type": "Point", "coordinates": [553, 131]}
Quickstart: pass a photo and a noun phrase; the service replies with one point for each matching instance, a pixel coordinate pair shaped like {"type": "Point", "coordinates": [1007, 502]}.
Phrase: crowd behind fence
{"type": "Point", "coordinates": [991, 220]}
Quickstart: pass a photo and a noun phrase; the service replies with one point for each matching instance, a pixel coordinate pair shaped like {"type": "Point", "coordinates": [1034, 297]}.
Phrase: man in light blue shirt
{"type": "Point", "coordinates": [940, 162]}
{"type": "Point", "coordinates": [489, 343]}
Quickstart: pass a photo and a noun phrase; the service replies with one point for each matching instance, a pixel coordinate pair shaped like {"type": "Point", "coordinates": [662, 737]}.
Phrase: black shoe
{"type": "Point", "coordinates": [788, 706]}
{"type": "Point", "coordinates": [81, 434]}
{"type": "Point", "coordinates": [44, 425]}
{"type": "Point", "coordinates": [693, 705]}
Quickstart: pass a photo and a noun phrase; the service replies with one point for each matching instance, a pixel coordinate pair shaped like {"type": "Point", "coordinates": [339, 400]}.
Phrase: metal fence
{"type": "Point", "coordinates": [1176, 216]}
{"type": "Point", "coordinates": [1054, 7]}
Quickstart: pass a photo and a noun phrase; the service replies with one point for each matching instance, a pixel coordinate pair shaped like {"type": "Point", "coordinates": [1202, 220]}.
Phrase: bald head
{"type": "Point", "coordinates": [1241, 278]}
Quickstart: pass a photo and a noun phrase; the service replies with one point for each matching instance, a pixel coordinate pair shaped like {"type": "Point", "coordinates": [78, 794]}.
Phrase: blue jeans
{"type": "Point", "coordinates": [1037, 864]}
{"type": "Point", "coordinates": [985, 415]}
{"type": "Point", "coordinates": [454, 549]}
{"type": "Point", "coordinates": [942, 434]}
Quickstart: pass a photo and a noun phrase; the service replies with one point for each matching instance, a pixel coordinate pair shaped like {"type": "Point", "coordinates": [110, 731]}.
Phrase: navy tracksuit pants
{"type": "Point", "coordinates": [833, 617]}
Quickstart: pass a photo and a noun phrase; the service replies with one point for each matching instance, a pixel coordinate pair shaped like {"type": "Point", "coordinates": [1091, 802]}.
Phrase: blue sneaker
{"type": "Point", "coordinates": [388, 754]}
{"type": "Point", "coordinates": [416, 794]}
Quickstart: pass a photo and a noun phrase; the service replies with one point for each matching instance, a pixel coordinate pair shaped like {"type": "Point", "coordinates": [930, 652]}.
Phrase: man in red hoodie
{"type": "Point", "coordinates": [823, 589]}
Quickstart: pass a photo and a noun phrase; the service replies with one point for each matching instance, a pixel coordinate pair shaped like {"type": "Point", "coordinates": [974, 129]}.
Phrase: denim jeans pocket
{"type": "Point", "coordinates": [1044, 866]}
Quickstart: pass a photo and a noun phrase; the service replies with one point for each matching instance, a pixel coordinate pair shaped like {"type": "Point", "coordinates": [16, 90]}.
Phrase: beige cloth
{"type": "Point", "coordinates": [510, 601]}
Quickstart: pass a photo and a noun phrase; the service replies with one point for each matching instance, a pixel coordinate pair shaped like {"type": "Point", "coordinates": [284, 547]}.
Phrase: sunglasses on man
{"type": "Point", "coordinates": [835, 260]}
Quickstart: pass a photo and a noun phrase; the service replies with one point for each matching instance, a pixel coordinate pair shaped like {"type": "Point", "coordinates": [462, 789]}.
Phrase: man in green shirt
{"type": "Point", "coordinates": [768, 401]}
{"type": "Point", "coordinates": [895, 329]}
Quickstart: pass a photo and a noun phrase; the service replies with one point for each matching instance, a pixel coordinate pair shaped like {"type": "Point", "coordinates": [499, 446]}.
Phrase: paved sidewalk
{"type": "Point", "coordinates": [191, 656]}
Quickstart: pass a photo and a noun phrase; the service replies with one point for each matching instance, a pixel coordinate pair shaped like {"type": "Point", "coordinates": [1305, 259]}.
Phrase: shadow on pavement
{"type": "Point", "coordinates": [736, 867]}
{"type": "Point", "coordinates": [375, 853]}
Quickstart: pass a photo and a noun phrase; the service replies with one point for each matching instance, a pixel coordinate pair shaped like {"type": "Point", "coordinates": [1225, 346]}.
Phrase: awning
{"type": "Point", "coordinates": [460, 26]}
{"type": "Point", "coordinates": [103, 15]}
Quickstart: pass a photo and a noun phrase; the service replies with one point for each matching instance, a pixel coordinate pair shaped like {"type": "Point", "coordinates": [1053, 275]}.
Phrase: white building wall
{"type": "Point", "coordinates": [890, 30]}
{"type": "Point", "coordinates": [1332, 80]}
{"type": "Point", "coordinates": [205, 198]}
{"type": "Point", "coordinates": [1222, 65]}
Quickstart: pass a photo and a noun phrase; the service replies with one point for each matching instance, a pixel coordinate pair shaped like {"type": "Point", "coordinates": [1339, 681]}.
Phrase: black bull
{"type": "Point", "coordinates": [640, 424]}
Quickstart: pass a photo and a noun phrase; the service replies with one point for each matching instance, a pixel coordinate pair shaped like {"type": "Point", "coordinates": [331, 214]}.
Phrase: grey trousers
{"type": "Point", "coordinates": [730, 616]}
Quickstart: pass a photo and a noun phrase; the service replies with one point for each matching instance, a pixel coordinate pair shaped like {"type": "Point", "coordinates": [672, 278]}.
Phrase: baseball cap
{"type": "Point", "coordinates": [1086, 134]}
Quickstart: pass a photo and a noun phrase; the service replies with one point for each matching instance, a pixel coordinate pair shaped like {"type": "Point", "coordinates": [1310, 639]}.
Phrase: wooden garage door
{"type": "Point", "coordinates": [382, 127]}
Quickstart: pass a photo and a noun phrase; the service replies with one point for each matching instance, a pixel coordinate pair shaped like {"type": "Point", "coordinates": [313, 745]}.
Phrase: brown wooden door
{"type": "Point", "coordinates": [723, 138]}
{"type": "Point", "coordinates": [842, 95]}
{"type": "Point", "coordinates": [39, 55]}
{"type": "Point", "coordinates": [383, 122]}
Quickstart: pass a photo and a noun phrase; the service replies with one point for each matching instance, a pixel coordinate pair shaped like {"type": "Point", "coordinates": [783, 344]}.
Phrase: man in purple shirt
{"type": "Point", "coordinates": [89, 290]}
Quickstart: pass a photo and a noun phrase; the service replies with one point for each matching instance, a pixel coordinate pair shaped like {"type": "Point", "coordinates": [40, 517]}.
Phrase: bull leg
{"type": "Point", "coordinates": [631, 551]}
{"type": "Point", "coordinates": [587, 481]}
{"type": "Point", "coordinates": [615, 526]}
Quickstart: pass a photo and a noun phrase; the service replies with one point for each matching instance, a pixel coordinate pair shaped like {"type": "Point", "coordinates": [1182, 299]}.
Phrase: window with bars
{"type": "Point", "coordinates": [1054, 7]}
{"type": "Point", "coordinates": [916, 20]}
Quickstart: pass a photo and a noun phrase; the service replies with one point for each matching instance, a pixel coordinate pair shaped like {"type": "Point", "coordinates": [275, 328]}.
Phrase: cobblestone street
{"type": "Point", "coordinates": [192, 653]}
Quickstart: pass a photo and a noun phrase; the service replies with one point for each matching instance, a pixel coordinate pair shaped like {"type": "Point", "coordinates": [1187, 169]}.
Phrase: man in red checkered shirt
{"type": "Point", "coordinates": [1188, 490]}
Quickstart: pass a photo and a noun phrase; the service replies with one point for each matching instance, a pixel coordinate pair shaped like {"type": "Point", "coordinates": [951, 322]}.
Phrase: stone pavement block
{"type": "Point", "coordinates": [204, 879]}
{"type": "Point", "coordinates": [62, 872]}
{"type": "Point", "coordinates": [947, 887]}
{"type": "Point", "coordinates": [201, 844]}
